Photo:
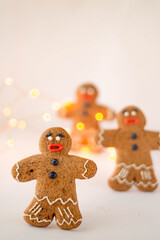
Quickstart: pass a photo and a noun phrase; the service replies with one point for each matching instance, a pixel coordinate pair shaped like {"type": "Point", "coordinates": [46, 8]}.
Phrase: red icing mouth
{"type": "Point", "coordinates": [131, 121]}
{"type": "Point", "coordinates": [55, 147]}
{"type": "Point", "coordinates": [87, 96]}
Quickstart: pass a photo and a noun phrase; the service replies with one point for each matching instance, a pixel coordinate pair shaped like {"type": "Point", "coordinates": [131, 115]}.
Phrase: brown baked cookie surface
{"type": "Point", "coordinates": [86, 115]}
{"type": "Point", "coordinates": [133, 145]}
{"type": "Point", "coordinates": [55, 171]}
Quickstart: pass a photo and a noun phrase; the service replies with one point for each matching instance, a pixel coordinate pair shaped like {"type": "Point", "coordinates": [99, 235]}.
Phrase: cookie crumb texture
{"type": "Point", "coordinates": [133, 144]}
{"type": "Point", "coordinates": [86, 115]}
{"type": "Point", "coordinates": [55, 171]}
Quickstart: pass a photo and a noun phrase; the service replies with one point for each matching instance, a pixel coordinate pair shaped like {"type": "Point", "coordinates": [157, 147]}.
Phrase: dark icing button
{"type": "Point", "coordinates": [133, 135]}
{"type": "Point", "coordinates": [84, 113]}
{"type": "Point", "coordinates": [86, 104]}
{"type": "Point", "coordinates": [52, 175]}
{"type": "Point", "coordinates": [134, 147]}
{"type": "Point", "coordinates": [54, 162]}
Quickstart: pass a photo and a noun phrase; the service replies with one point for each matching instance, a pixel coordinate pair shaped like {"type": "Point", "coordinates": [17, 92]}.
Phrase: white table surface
{"type": "Point", "coordinates": [107, 214]}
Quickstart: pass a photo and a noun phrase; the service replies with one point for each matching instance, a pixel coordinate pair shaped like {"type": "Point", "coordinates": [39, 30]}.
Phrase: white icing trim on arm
{"type": "Point", "coordinates": [101, 138]}
{"type": "Point", "coordinates": [17, 172]}
{"type": "Point", "coordinates": [83, 174]}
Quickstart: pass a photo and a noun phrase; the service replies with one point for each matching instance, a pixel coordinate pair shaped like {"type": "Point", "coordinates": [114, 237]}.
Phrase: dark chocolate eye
{"type": "Point", "coordinates": [31, 170]}
{"type": "Point", "coordinates": [125, 113]}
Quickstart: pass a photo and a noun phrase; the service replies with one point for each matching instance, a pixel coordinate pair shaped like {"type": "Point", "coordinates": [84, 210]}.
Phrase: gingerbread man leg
{"type": "Point", "coordinates": [68, 215]}
{"type": "Point", "coordinates": [38, 214]}
{"type": "Point", "coordinates": [145, 179]}
{"type": "Point", "coordinates": [122, 178]}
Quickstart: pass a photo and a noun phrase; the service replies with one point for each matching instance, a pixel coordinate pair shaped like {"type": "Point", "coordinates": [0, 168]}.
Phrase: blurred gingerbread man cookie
{"type": "Point", "coordinates": [86, 115]}
{"type": "Point", "coordinates": [55, 171]}
{"type": "Point", "coordinates": [133, 145]}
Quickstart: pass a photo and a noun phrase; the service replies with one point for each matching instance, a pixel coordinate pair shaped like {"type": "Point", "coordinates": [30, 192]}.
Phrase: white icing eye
{"type": "Point", "coordinates": [50, 138]}
{"type": "Point", "coordinates": [58, 138]}
{"type": "Point", "coordinates": [90, 91]}
{"type": "Point", "coordinates": [126, 113]}
{"type": "Point", "coordinates": [134, 113]}
{"type": "Point", "coordinates": [82, 90]}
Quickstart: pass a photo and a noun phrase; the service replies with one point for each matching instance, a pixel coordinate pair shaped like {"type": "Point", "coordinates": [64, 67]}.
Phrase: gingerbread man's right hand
{"type": "Point", "coordinates": [26, 169]}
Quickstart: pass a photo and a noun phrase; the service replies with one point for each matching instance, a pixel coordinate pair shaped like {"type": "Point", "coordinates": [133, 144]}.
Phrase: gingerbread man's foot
{"type": "Point", "coordinates": [113, 183]}
{"type": "Point", "coordinates": [146, 180]}
{"type": "Point", "coordinates": [68, 216]}
{"type": "Point", "coordinates": [37, 214]}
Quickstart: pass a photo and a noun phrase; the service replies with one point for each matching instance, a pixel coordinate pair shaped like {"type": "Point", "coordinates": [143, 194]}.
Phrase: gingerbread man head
{"type": "Point", "coordinates": [130, 118]}
{"type": "Point", "coordinates": [55, 141]}
{"type": "Point", "coordinates": [87, 93]}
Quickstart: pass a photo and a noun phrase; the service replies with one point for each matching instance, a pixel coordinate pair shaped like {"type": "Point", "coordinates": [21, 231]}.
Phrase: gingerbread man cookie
{"type": "Point", "coordinates": [55, 171]}
{"type": "Point", "coordinates": [86, 115]}
{"type": "Point", "coordinates": [133, 145]}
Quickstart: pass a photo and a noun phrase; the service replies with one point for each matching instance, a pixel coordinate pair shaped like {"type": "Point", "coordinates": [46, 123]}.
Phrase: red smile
{"type": "Point", "coordinates": [55, 147]}
{"type": "Point", "coordinates": [87, 96]}
{"type": "Point", "coordinates": [131, 121]}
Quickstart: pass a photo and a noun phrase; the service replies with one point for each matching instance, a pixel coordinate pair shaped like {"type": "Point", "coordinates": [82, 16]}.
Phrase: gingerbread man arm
{"type": "Point", "coordinates": [82, 168]}
{"type": "Point", "coordinates": [153, 139]}
{"type": "Point", "coordinates": [108, 114]}
{"type": "Point", "coordinates": [66, 111]}
{"type": "Point", "coordinates": [107, 138]}
{"type": "Point", "coordinates": [26, 169]}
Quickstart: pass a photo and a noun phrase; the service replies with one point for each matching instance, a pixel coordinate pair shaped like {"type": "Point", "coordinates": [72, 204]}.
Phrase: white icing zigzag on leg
{"type": "Point", "coordinates": [17, 172]}
{"type": "Point", "coordinates": [145, 185]}
{"type": "Point", "coordinates": [122, 181]}
{"type": "Point", "coordinates": [83, 174]}
{"type": "Point", "coordinates": [71, 220]}
{"type": "Point", "coordinates": [36, 218]}
{"type": "Point", "coordinates": [101, 138]}
{"type": "Point", "coordinates": [58, 199]}
{"type": "Point", "coordinates": [134, 166]}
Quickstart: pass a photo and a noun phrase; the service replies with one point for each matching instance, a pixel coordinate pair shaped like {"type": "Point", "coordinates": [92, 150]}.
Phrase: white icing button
{"type": "Point", "coordinates": [133, 113]}
{"type": "Point", "coordinates": [58, 138]}
{"type": "Point", "coordinates": [90, 91]}
{"type": "Point", "coordinates": [82, 90]}
{"type": "Point", "coordinates": [50, 138]}
{"type": "Point", "coordinates": [126, 114]}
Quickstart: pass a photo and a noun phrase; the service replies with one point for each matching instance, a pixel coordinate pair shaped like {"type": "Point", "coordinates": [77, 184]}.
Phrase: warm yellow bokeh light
{"type": "Point", "coordinates": [7, 111]}
{"type": "Point", "coordinates": [34, 93]}
{"type": "Point", "coordinates": [12, 122]}
{"type": "Point", "coordinates": [46, 117]}
{"type": "Point", "coordinates": [56, 106]}
{"type": "Point", "coordinates": [10, 143]}
{"type": "Point", "coordinates": [69, 105]}
{"type": "Point", "coordinates": [112, 153]}
{"type": "Point", "coordinates": [80, 126]}
{"type": "Point", "coordinates": [21, 124]}
{"type": "Point", "coordinates": [99, 116]}
{"type": "Point", "coordinates": [9, 81]}
{"type": "Point", "coordinates": [85, 150]}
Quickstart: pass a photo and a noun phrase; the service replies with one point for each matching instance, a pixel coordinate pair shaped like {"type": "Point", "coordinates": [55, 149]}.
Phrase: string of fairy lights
{"type": "Point", "coordinates": [10, 123]}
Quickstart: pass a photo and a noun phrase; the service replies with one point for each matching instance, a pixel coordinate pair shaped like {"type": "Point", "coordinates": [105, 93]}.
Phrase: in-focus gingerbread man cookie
{"type": "Point", "coordinates": [86, 115]}
{"type": "Point", "coordinates": [55, 171]}
{"type": "Point", "coordinates": [133, 145]}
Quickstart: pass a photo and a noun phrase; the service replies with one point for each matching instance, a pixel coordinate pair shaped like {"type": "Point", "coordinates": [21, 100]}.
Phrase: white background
{"type": "Point", "coordinates": [55, 46]}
